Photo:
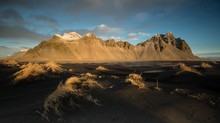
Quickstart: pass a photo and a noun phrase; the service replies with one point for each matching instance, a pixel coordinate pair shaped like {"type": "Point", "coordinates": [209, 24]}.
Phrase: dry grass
{"type": "Point", "coordinates": [54, 101]}
{"type": "Point", "coordinates": [29, 71]}
{"type": "Point", "coordinates": [11, 63]}
{"type": "Point", "coordinates": [72, 80]}
{"type": "Point", "coordinates": [156, 87]}
{"type": "Point", "coordinates": [87, 76]}
{"type": "Point", "coordinates": [101, 68]}
{"type": "Point", "coordinates": [53, 67]}
{"type": "Point", "coordinates": [184, 68]}
{"type": "Point", "coordinates": [76, 87]}
{"type": "Point", "coordinates": [91, 83]}
{"type": "Point", "coordinates": [136, 79]}
{"type": "Point", "coordinates": [206, 65]}
{"type": "Point", "coordinates": [181, 91]}
{"type": "Point", "coordinates": [214, 62]}
{"type": "Point", "coordinates": [35, 70]}
{"type": "Point", "coordinates": [199, 96]}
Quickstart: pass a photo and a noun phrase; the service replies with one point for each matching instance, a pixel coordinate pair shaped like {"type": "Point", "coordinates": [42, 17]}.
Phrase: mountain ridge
{"type": "Point", "coordinates": [91, 48]}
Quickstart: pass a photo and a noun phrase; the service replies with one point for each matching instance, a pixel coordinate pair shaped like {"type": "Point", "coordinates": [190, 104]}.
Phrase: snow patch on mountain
{"type": "Point", "coordinates": [69, 36]}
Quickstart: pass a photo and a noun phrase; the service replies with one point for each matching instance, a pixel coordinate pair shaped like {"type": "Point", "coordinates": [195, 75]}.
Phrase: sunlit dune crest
{"type": "Point", "coordinates": [76, 87]}
{"type": "Point", "coordinates": [30, 70]}
{"type": "Point", "coordinates": [206, 65]}
{"type": "Point", "coordinates": [137, 80]}
{"type": "Point", "coordinates": [11, 63]}
{"type": "Point", "coordinates": [101, 68]}
{"type": "Point", "coordinates": [34, 70]}
{"type": "Point", "coordinates": [184, 68]}
{"type": "Point", "coordinates": [53, 67]}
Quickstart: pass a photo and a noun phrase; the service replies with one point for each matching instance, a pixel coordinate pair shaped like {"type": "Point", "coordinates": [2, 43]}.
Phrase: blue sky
{"type": "Point", "coordinates": [24, 23]}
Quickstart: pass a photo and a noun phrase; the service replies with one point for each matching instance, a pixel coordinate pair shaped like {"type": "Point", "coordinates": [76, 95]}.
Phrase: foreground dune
{"type": "Point", "coordinates": [89, 95]}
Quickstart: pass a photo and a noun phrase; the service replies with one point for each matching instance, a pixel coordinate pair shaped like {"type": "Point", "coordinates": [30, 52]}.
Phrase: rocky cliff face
{"type": "Point", "coordinates": [161, 42]}
{"type": "Point", "coordinates": [90, 48]}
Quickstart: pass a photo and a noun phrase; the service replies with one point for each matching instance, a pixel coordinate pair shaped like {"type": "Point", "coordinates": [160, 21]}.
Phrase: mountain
{"type": "Point", "coordinates": [18, 54]}
{"type": "Point", "coordinates": [75, 48]}
{"type": "Point", "coordinates": [70, 36]}
{"type": "Point", "coordinates": [6, 51]}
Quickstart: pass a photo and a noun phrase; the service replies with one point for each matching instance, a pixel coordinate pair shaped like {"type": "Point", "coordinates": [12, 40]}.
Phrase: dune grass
{"type": "Point", "coordinates": [87, 76]}
{"type": "Point", "coordinates": [36, 71]}
{"type": "Point", "coordinates": [206, 65]}
{"type": "Point", "coordinates": [54, 101]}
{"type": "Point", "coordinates": [76, 87]}
{"type": "Point", "coordinates": [137, 80]}
{"type": "Point", "coordinates": [185, 68]}
{"type": "Point", "coordinates": [53, 67]}
{"type": "Point", "coordinates": [101, 68]}
{"type": "Point", "coordinates": [214, 62]}
{"type": "Point", "coordinates": [11, 63]}
{"type": "Point", "coordinates": [29, 71]}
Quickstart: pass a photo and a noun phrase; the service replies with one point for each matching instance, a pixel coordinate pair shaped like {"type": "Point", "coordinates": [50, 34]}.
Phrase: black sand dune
{"type": "Point", "coordinates": [184, 98]}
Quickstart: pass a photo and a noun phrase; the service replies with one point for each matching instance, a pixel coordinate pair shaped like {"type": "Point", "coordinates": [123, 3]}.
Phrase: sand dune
{"type": "Point", "coordinates": [184, 68]}
{"type": "Point", "coordinates": [75, 87]}
{"type": "Point", "coordinates": [206, 65]}
{"type": "Point", "coordinates": [82, 96]}
{"type": "Point", "coordinates": [36, 71]}
{"type": "Point", "coordinates": [137, 80]}
{"type": "Point", "coordinates": [11, 63]}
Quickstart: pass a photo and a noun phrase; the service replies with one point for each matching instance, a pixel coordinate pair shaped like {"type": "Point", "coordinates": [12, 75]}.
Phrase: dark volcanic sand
{"type": "Point", "coordinates": [123, 102]}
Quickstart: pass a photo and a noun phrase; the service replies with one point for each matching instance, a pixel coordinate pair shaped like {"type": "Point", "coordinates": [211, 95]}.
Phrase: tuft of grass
{"type": "Point", "coordinates": [136, 79]}
{"type": "Point", "coordinates": [54, 101]}
{"type": "Point", "coordinates": [184, 68]}
{"type": "Point", "coordinates": [35, 70]}
{"type": "Point", "coordinates": [28, 71]}
{"type": "Point", "coordinates": [11, 63]}
{"type": "Point", "coordinates": [200, 96]}
{"type": "Point", "coordinates": [53, 67]}
{"type": "Point", "coordinates": [206, 65]}
{"type": "Point", "coordinates": [181, 91]}
{"type": "Point", "coordinates": [88, 76]}
{"type": "Point", "coordinates": [157, 86]}
{"type": "Point", "coordinates": [76, 87]}
{"type": "Point", "coordinates": [101, 68]}
{"type": "Point", "coordinates": [91, 83]}
{"type": "Point", "coordinates": [214, 62]}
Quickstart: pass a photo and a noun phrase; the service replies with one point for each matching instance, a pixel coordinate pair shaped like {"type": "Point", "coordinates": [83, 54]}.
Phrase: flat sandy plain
{"type": "Point", "coordinates": [184, 98]}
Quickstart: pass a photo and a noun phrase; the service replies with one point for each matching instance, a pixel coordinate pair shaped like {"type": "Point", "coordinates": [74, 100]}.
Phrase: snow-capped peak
{"type": "Point", "coordinates": [24, 50]}
{"type": "Point", "coordinates": [58, 35]}
{"type": "Point", "coordinates": [89, 34]}
{"type": "Point", "coordinates": [70, 36]}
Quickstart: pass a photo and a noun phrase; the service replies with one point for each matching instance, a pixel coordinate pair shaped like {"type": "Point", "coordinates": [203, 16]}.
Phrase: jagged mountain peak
{"type": "Point", "coordinates": [89, 35]}
{"type": "Point", "coordinates": [69, 36]}
{"type": "Point", "coordinates": [169, 34]}
{"type": "Point", "coordinates": [91, 48]}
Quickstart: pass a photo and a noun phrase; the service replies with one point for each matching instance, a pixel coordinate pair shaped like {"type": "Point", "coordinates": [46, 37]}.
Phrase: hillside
{"type": "Point", "coordinates": [75, 48]}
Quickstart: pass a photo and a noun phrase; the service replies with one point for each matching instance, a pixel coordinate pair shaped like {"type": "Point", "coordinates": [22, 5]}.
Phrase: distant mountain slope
{"type": "Point", "coordinates": [6, 51]}
{"type": "Point", "coordinates": [73, 47]}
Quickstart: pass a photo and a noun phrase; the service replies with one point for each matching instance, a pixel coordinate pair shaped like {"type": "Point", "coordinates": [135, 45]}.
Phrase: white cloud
{"type": "Point", "coordinates": [136, 36]}
{"type": "Point", "coordinates": [117, 38]}
{"type": "Point", "coordinates": [106, 30]}
{"type": "Point", "coordinates": [132, 34]}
